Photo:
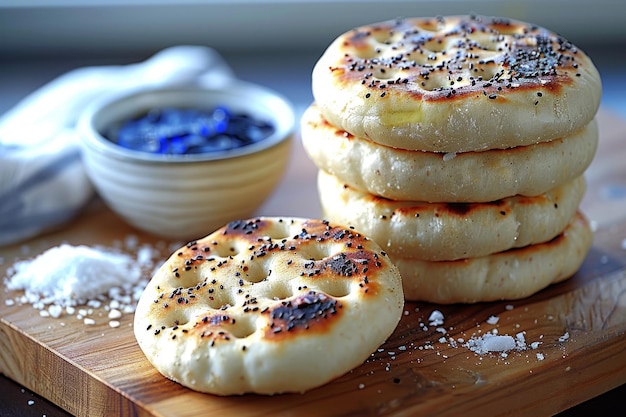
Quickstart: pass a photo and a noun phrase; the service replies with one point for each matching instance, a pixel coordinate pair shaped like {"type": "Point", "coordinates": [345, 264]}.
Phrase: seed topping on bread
{"type": "Point", "coordinates": [447, 57]}
{"type": "Point", "coordinates": [259, 299]}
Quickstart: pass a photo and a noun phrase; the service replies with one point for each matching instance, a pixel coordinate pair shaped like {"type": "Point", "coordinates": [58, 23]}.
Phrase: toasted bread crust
{"type": "Point", "coordinates": [258, 301]}
{"type": "Point", "coordinates": [456, 84]}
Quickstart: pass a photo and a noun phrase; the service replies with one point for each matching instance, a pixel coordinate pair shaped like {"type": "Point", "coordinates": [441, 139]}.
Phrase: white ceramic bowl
{"type": "Point", "coordinates": [186, 196]}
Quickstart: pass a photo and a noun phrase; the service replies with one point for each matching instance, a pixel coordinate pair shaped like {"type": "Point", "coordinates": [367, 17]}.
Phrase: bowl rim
{"type": "Point", "coordinates": [91, 137]}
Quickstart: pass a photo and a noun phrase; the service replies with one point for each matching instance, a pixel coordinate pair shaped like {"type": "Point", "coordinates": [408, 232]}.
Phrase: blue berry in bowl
{"type": "Point", "coordinates": [180, 131]}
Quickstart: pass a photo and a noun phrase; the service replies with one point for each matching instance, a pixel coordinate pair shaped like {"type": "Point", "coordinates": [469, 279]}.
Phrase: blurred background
{"type": "Point", "coordinates": [43, 38]}
{"type": "Point", "coordinates": [127, 26]}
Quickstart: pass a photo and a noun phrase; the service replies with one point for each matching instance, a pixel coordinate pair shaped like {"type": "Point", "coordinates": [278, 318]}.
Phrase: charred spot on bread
{"type": "Point", "coordinates": [308, 311]}
{"type": "Point", "coordinates": [456, 57]}
{"type": "Point", "coordinates": [264, 292]}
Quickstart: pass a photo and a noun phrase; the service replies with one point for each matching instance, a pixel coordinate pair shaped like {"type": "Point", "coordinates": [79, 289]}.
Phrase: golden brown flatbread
{"type": "Point", "coordinates": [261, 300]}
{"type": "Point", "coordinates": [508, 275]}
{"type": "Point", "coordinates": [456, 84]}
{"type": "Point", "coordinates": [400, 174]}
{"type": "Point", "coordinates": [451, 231]}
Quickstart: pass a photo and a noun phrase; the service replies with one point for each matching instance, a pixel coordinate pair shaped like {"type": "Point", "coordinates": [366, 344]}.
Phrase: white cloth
{"type": "Point", "coordinates": [42, 179]}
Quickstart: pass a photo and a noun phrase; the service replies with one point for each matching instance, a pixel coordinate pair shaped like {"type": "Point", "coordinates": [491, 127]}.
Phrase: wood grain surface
{"type": "Point", "coordinates": [579, 327]}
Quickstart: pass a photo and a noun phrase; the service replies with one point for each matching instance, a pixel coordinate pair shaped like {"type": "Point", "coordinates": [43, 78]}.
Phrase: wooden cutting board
{"type": "Point", "coordinates": [578, 328]}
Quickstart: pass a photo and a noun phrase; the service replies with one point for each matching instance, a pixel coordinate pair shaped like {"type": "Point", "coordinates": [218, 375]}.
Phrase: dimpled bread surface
{"type": "Point", "coordinates": [455, 84]}
{"type": "Point", "coordinates": [459, 144]}
{"type": "Point", "coordinates": [268, 305]}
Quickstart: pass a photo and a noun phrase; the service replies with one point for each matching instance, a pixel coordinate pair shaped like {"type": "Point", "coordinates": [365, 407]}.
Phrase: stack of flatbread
{"type": "Point", "coordinates": [459, 144]}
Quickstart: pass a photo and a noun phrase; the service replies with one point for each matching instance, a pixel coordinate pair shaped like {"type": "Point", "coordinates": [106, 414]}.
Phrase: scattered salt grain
{"type": "Point", "coordinates": [564, 337]}
{"type": "Point", "coordinates": [131, 241]}
{"type": "Point", "coordinates": [55, 311]}
{"type": "Point", "coordinates": [115, 314]}
{"type": "Point", "coordinates": [65, 274]}
{"type": "Point", "coordinates": [493, 320]}
{"type": "Point", "coordinates": [145, 255]}
{"type": "Point", "coordinates": [452, 342]}
{"type": "Point", "coordinates": [76, 280]}
{"type": "Point", "coordinates": [436, 318]}
{"type": "Point", "coordinates": [449, 156]}
{"type": "Point", "coordinates": [491, 343]}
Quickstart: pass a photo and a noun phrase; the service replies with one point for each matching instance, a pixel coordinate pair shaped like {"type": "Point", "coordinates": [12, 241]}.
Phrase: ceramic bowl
{"type": "Point", "coordinates": [186, 196]}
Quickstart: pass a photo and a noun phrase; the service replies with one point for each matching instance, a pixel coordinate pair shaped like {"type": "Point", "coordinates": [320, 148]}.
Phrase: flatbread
{"type": "Point", "coordinates": [260, 301]}
{"type": "Point", "coordinates": [451, 231]}
{"type": "Point", "coordinates": [486, 176]}
{"type": "Point", "coordinates": [456, 84]}
{"type": "Point", "coordinates": [508, 275]}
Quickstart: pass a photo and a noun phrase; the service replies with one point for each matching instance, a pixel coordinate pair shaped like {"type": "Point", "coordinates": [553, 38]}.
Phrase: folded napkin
{"type": "Point", "coordinates": [42, 179]}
